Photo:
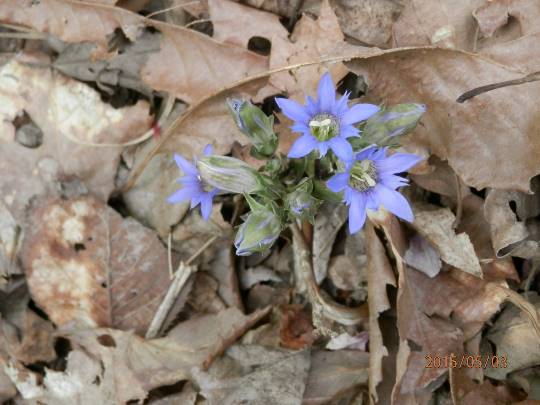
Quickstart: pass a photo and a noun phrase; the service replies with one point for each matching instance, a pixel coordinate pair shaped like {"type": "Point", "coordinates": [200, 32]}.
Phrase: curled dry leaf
{"type": "Point", "coordinates": [86, 264]}
{"type": "Point", "coordinates": [380, 276]}
{"type": "Point", "coordinates": [296, 329]}
{"type": "Point", "coordinates": [494, 15]}
{"type": "Point", "coordinates": [436, 226]}
{"type": "Point", "coordinates": [66, 111]}
{"type": "Point", "coordinates": [511, 235]}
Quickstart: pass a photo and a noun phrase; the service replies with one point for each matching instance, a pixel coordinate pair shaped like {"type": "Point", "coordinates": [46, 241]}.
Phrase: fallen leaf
{"type": "Point", "coordinates": [333, 374]}
{"type": "Point", "coordinates": [296, 328]}
{"type": "Point", "coordinates": [254, 275]}
{"type": "Point", "coordinates": [222, 268]}
{"type": "Point", "coordinates": [510, 234]}
{"type": "Point", "coordinates": [257, 375]}
{"type": "Point", "coordinates": [422, 256]}
{"type": "Point", "coordinates": [86, 264]}
{"type": "Point", "coordinates": [66, 111]}
{"type": "Point", "coordinates": [436, 226]}
{"type": "Point", "coordinates": [346, 341]}
{"type": "Point", "coordinates": [327, 225]}
{"type": "Point", "coordinates": [380, 276]}
{"type": "Point", "coordinates": [463, 133]}
{"type": "Point", "coordinates": [516, 339]}
{"type": "Point", "coordinates": [203, 296]}
{"type": "Point", "coordinates": [236, 24]}
{"type": "Point", "coordinates": [181, 66]}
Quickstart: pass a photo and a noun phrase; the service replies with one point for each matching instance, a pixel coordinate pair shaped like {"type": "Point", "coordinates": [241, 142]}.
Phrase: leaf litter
{"type": "Point", "coordinates": [88, 244]}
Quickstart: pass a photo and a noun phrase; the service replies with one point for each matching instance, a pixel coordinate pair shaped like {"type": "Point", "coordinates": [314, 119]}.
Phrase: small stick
{"type": "Point", "coordinates": [532, 77]}
{"type": "Point", "coordinates": [180, 278]}
{"type": "Point", "coordinates": [191, 3]}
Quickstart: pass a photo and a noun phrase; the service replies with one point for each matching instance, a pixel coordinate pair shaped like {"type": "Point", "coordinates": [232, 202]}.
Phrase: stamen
{"type": "Point", "coordinates": [363, 175]}
{"type": "Point", "coordinates": [324, 126]}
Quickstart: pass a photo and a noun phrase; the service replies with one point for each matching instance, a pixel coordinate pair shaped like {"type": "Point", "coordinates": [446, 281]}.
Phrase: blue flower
{"type": "Point", "coordinates": [325, 123]}
{"type": "Point", "coordinates": [370, 181]}
{"type": "Point", "coordinates": [194, 188]}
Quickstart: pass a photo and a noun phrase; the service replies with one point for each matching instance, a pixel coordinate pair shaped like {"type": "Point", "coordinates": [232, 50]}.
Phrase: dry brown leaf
{"type": "Point", "coordinates": [181, 66]}
{"type": "Point", "coordinates": [333, 374]}
{"type": "Point", "coordinates": [511, 232]}
{"type": "Point", "coordinates": [368, 21]}
{"type": "Point", "coordinates": [380, 275]}
{"type": "Point", "coordinates": [490, 140]}
{"type": "Point", "coordinates": [516, 338]}
{"type": "Point", "coordinates": [222, 268]}
{"type": "Point", "coordinates": [442, 22]}
{"type": "Point", "coordinates": [296, 328]}
{"type": "Point", "coordinates": [236, 24]}
{"type": "Point", "coordinates": [436, 225]}
{"type": "Point", "coordinates": [63, 109]}
{"type": "Point", "coordinates": [256, 375]}
{"type": "Point", "coordinates": [422, 256]}
{"type": "Point", "coordinates": [494, 15]}
{"type": "Point", "coordinates": [311, 40]}
{"type": "Point", "coordinates": [88, 265]}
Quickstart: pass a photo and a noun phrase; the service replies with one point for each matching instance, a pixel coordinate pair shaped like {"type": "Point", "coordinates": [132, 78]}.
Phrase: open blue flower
{"type": "Point", "coordinates": [194, 188]}
{"type": "Point", "coordinates": [325, 123]}
{"type": "Point", "coordinates": [370, 181]}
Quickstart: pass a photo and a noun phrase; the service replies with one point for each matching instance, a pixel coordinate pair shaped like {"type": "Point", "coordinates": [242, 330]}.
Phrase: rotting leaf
{"type": "Point", "coordinates": [86, 264]}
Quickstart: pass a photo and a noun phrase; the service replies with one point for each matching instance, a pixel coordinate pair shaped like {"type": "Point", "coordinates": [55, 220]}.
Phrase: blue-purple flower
{"type": "Point", "coordinates": [370, 181]}
{"type": "Point", "coordinates": [325, 123]}
{"type": "Point", "coordinates": [194, 188]}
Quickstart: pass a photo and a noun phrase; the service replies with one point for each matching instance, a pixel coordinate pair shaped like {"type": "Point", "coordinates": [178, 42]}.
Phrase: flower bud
{"type": "Point", "coordinates": [300, 203]}
{"type": "Point", "coordinates": [229, 174]}
{"type": "Point", "coordinates": [259, 231]}
{"type": "Point", "coordinates": [256, 125]}
{"type": "Point", "coordinates": [391, 122]}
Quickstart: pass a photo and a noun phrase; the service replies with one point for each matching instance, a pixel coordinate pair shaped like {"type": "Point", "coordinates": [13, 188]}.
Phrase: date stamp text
{"type": "Point", "coordinates": [466, 361]}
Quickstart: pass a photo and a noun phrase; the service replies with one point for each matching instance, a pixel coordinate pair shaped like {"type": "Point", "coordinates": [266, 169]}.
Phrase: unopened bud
{"type": "Point", "coordinates": [391, 122]}
{"type": "Point", "coordinates": [256, 125]}
{"type": "Point", "coordinates": [300, 203]}
{"type": "Point", "coordinates": [229, 174]}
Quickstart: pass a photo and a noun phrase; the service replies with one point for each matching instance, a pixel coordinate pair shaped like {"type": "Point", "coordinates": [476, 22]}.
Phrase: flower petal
{"type": "Point", "coordinates": [341, 148]}
{"type": "Point", "coordinates": [311, 106]}
{"type": "Point", "coordinates": [326, 93]}
{"type": "Point", "coordinates": [359, 112]}
{"type": "Point", "coordinates": [302, 146]}
{"type": "Point", "coordinates": [346, 131]}
{"type": "Point", "coordinates": [392, 181]}
{"type": "Point", "coordinates": [340, 107]}
{"type": "Point", "coordinates": [300, 127]}
{"type": "Point", "coordinates": [185, 193]}
{"type": "Point", "coordinates": [186, 166]}
{"type": "Point", "coordinates": [206, 206]}
{"type": "Point", "coordinates": [338, 182]}
{"type": "Point", "coordinates": [208, 149]}
{"type": "Point", "coordinates": [323, 148]}
{"type": "Point", "coordinates": [394, 202]}
{"type": "Point", "coordinates": [357, 213]}
{"type": "Point", "coordinates": [293, 110]}
{"type": "Point", "coordinates": [366, 153]}
{"type": "Point", "coordinates": [398, 162]}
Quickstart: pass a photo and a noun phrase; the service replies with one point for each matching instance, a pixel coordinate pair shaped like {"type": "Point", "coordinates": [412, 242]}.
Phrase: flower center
{"type": "Point", "coordinates": [363, 175]}
{"type": "Point", "coordinates": [324, 126]}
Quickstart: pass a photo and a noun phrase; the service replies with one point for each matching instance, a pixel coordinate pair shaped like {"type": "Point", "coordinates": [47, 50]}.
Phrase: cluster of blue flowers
{"type": "Point", "coordinates": [360, 172]}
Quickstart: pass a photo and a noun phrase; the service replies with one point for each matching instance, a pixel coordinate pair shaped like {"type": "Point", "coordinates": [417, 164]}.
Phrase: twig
{"type": "Point", "coordinates": [531, 77]}
{"type": "Point", "coordinates": [180, 278]}
{"type": "Point", "coordinates": [459, 207]}
{"type": "Point", "coordinates": [192, 23]}
{"type": "Point", "coordinates": [331, 310]}
{"type": "Point", "coordinates": [169, 255]}
{"type": "Point", "coordinates": [23, 35]}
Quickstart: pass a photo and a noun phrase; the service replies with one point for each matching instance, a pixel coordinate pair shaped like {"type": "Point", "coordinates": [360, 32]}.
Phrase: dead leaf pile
{"type": "Point", "coordinates": [108, 294]}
